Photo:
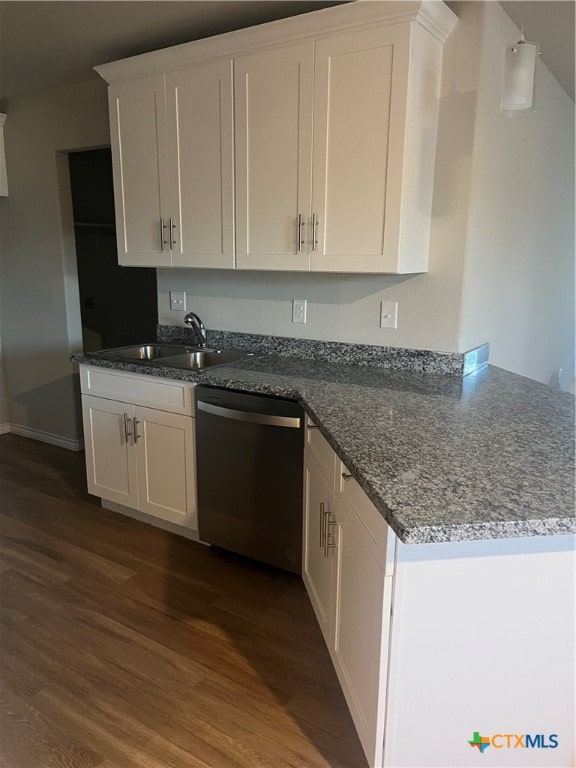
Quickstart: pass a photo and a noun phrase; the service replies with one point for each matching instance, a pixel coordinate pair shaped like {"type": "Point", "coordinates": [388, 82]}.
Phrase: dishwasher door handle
{"type": "Point", "coordinates": [292, 422]}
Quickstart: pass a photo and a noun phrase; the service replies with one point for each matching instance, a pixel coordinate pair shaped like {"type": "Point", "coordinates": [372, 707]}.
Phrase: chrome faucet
{"type": "Point", "coordinates": [197, 326]}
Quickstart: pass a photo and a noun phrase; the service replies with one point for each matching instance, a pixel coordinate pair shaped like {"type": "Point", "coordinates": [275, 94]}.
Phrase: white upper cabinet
{"type": "Point", "coordinates": [333, 122]}
{"type": "Point", "coordinates": [200, 158]}
{"type": "Point", "coordinates": [138, 137]}
{"type": "Point", "coordinates": [361, 82]}
{"type": "Point", "coordinates": [340, 204]}
{"type": "Point", "coordinates": [273, 97]}
{"type": "Point", "coordinates": [172, 149]}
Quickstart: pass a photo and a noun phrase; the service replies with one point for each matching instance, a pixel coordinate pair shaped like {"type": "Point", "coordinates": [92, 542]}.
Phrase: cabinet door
{"type": "Point", "coordinates": [141, 182]}
{"type": "Point", "coordinates": [361, 82]}
{"type": "Point", "coordinates": [200, 146]}
{"type": "Point", "coordinates": [110, 456]}
{"type": "Point", "coordinates": [317, 565]}
{"type": "Point", "coordinates": [166, 465]}
{"type": "Point", "coordinates": [359, 646]}
{"type": "Point", "coordinates": [273, 102]}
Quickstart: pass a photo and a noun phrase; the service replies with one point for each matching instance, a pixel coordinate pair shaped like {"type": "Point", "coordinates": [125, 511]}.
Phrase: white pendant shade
{"type": "Point", "coordinates": [519, 69]}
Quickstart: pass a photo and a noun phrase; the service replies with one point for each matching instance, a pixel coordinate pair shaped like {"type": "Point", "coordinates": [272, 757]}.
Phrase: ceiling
{"type": "Point", "coordinates": [46, 43]}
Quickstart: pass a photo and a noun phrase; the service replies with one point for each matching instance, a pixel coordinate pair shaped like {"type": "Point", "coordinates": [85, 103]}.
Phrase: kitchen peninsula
{"type": "Point", "coordinates": [474, 477]}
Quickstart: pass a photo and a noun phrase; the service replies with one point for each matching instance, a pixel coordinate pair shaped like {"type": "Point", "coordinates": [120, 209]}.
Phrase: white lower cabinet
{"type": "Point", "coordinates": [359, 643]}
{"type": "Point", "coordinates": [347, 572]}
{"type": "Point", "coordinates": [110, 456]}
{"type": "Point", "coordinates": [166, 461]}
{"type": "Point", "coordinates": [140, 457]}
{"type": "Point", "coordinates": [317, 567]}
{"type": "Point", "coordinates": [409, 625]}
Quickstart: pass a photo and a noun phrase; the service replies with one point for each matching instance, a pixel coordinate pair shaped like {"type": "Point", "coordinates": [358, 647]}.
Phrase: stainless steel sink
{"type": "Point", "coordinates": [174, 355]}
{"type": "Point", "coordinates": [145, 352]}
{"type": "Point", "coordinates": [198, 359]}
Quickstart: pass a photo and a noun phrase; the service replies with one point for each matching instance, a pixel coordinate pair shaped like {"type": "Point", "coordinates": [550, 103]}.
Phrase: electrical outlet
{"type": "Point", "coordinates": [299, 310]}
{"type": "Point", "coordinates": [178, 301]}
{"type": "Point", "coordinates": [389, 314]}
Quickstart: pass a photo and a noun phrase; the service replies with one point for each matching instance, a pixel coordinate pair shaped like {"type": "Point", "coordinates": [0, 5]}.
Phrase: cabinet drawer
{"type": "Point", "coordinates": [378, 535]}
{"type": "Point", "coordinates": [322, 451]}
{"type": "Point", "coordinates": [175, 397]}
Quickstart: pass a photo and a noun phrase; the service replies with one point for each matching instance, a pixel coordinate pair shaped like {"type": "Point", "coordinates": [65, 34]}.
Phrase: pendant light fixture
{"type": "Point", "coordinates": [519, 72]}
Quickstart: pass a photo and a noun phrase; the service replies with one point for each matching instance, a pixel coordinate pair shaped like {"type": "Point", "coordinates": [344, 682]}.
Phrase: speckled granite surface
{"type": "Point", "coordinates": [394, 358]}
{"type": "Point", "coordinates": [487, 456]}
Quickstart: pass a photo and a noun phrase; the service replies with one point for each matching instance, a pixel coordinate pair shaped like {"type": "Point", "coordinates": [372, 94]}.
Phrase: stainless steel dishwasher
{"type": "Point", "coordinates": [249, 452]}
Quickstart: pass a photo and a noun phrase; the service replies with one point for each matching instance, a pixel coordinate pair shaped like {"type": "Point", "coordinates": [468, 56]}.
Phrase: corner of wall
{"type": "Point", "coordinates": [520, 234]}
{"type": "Point", "coordinates": [455, 148]}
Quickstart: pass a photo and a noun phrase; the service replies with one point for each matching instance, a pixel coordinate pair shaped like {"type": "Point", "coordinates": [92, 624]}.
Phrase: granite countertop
{"type": "Point", "coordinates": [485, 456]}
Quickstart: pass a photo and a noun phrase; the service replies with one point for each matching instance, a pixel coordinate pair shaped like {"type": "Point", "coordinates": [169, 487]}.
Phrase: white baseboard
{"type": "Point", "coordinates": [166, 525]}
{"type": "Point", "coordinates": [44, 437]}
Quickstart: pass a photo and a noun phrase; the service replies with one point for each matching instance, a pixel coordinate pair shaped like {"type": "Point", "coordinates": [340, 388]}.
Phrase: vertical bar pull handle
{"type": "Point", "coordinates": [300, 242]}
{"type": "Point", "coordinates": [162, 227]}
{"type": "Point", "coordinates": [171, 228]}
{"type": "Point", "coordinates": [314, 231]}
{"type": "Point", "coordinates": [135, 422]}
{"type": "Point", "coordinates": [127, 433]}
{"type": "Point", "coordinates": [328, 544]}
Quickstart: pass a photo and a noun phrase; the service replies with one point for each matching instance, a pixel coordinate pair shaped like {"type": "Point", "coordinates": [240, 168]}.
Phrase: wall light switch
{"type": "Point", "coordinates": [389, 314]}
{"type": "Point", "coordinates": [178, 301]}
{"type": "Point", "coordinates": [299, 310]}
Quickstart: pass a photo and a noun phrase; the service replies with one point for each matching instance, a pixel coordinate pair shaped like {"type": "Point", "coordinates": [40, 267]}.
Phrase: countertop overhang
{"type": "Point", "coordinates": [487, 456]}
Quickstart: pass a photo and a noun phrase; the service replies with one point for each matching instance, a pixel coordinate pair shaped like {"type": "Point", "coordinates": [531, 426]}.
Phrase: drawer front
{"type": "Point", "coordinates": [322, 451]}
{"type": "Point", "coordinates": [377, 533]}
{"type": "Point", "coordinates": [175, 397]}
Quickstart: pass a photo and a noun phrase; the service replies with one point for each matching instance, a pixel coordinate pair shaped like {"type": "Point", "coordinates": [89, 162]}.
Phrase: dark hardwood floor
{"type": "Point", "coordinates": [123, 646]}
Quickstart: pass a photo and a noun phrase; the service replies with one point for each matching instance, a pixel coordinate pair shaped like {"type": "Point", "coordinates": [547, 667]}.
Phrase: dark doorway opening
{"type": "Point", "coordinates": [118, 304]}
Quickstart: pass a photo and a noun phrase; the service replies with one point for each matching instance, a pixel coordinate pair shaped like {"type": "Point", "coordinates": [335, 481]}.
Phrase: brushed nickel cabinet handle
{"type": "Point", "coordinates": [127, 434]}
{"type": "Point", "coordinates": [135, 423]}
{"type": "Point", "coordinates": [328, 537]}
{"type": "Point", "coordinates": [162, 228]}
{"type": "Point", "coordinates": [311, 426]}
{"type": "Point", "coordinates": [171, 228]}
{"type": "Point", "coordinates": [314, 231]}
{"type": "Point", "coordinates": [300, 241]}
{"type": "Point", "coordinates": [347, 476]}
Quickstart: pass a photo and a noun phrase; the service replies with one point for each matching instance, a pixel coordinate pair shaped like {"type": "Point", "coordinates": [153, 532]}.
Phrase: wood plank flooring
{"type": "Point", "coordinates": [123, 646]}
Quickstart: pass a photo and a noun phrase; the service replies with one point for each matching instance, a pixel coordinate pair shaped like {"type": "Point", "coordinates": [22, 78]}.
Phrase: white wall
{"type": "Point", "coordinates": [347, 307]}
{"type": "Point", "coordinates": [39, 294]}
{"type": "Point", "coordinates": [519, 272]}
